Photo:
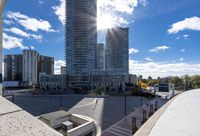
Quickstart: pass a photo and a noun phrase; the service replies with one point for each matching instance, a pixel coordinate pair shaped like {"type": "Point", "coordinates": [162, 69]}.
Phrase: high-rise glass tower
{"type": "Point", "coordinates": [100, 53]}
{"type": "Point", "coordinates": [117, 56]}
{"type": "Point", "coordinates": [81, 39]}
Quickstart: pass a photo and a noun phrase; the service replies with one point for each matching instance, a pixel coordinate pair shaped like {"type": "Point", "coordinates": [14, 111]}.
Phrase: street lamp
{"type": "Point", "coordinates": [61, 104]}
{"type": "Point", "coordinates": [121, 88]}
{"type": "Point", "coordinates": [125, 105]}
{"type": "Point", "coordinates": [141, 102]}
{"type": "Point", "coordinates": [61, 92]}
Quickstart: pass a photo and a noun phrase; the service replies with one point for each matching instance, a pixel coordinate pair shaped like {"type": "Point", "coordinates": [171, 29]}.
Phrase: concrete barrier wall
{"type": "Point", "coordinates": [78, 120]}
{"type": "Point", "coordinates": [58, 122]}
{"type": "Point", "coordinates": [82, 129]}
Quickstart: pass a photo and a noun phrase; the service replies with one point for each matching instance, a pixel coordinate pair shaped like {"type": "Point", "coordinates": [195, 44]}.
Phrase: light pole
{"type": "Point", "coordinates": [141, 102]}
{"type": "Point", "coordinates": [61, 91]}
{"type": "Point", "coordinates": [125, 105]}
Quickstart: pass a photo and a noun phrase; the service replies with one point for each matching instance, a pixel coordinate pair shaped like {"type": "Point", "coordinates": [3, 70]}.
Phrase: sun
{"type": "Point", "coordinates": [105, 18]}
{"type": "Point", "coordinates": [105, 21]}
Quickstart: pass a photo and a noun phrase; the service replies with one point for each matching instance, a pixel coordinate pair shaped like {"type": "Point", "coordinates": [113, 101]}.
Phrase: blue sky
{"type": "Point", "coordinates": [164, 34]}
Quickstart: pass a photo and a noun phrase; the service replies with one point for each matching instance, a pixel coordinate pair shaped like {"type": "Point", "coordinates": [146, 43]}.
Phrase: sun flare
{"type": "Point", "coordinates": [112, 13]}
{"type": "Point", "coordinates": [105, 21]}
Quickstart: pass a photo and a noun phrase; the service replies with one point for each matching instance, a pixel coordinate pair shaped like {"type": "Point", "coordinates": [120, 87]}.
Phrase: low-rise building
{"type": "Point", "coordinates": [63, 70]}
{"type": "Point", "coordinates": [52, 82]}
{"type": "Point", "coordinates": [13, 67]}
{"type": "Point", "coordinates": [30, 67]}
{"type": "Point", "coordinates": [25, 68]}
{"type": "Point", "coordinates": [46, 65]}
{"type": "Point", "coordinates": [112, 80]}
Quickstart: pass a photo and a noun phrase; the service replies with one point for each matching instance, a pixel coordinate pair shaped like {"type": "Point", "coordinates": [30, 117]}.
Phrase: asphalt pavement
{"type": "Point", "coordinates": [106, 111]}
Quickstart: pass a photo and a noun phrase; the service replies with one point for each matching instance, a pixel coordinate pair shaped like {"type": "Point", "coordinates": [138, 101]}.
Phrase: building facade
{"type": "Point", "coordinates": [81, 39]}
{"type": "Point", "coordinates": [100, 56]}
{"type": "Point", "coordinates": [30, 67]}
{"type": "Point", "coordinates": [117, 46]}
{"type": "Point", "coordinates": [63, 70]}
{"type": "Point", "coordinates": [13, 67]}
{"type": "Point", "coordinates": [112, 80]}
{"type": "Point", "coordinates": [52, 82]}
{"type": "Point", "coordinates": [46, 65]}
{"type": "Point", "coordinates": [26, 67]}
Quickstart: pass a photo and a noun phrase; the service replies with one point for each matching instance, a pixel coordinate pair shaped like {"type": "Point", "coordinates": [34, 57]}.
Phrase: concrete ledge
{"type": "Point", "coordinates": [145, 130]}
{"type": "Point", "coordinates": [179, 117]}
{"type": "Point", "coordinates": [16, 122]}
{"type": "Point", "coordinates": [7, 107]}
{"type": "Point", "coordinates": [88, 124]}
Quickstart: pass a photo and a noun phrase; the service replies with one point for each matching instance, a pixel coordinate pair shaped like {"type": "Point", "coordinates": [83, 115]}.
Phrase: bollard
{"type": "Point", "coordinates": [156, 106]}
{"type": "Point", "coordinates": [134, 125]}
{"type": "Point", "coordinates": [144, 116]}
{"type": "Point", "coordinates": [151, 110]}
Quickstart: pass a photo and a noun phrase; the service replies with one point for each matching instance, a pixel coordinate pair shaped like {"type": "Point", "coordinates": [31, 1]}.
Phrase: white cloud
{"type": "Point", "coordinates": [148, 59]}
{"type": "Point", "coordinates": [40, 2]}
{"type": "Point", "coordinates": [29, 23]}
{"type": "Point", "coordinates": [173, 61]}
{"type": "Point", "coordinates": [116, 12]}
{"type": "Point", "coordinates": [192, 23]}
{"type": "Point", "coordinates": [123, 6]}
{"type": "Point", "coordinates": [17, 31]}
{"type": "Point", "coordinates": [57, 66]}
{"type": "Point", "coordinates": [159, 48]}
{"type": "Point", "coordinates": [133, 51]}
{"type": "Point", "coordinates": [60, 11]}
{"type": "Point", "coordinates": [183, 50]}
{"type": "Point", "coordinates": [185, 36]}
{"type": "Point", "coordinates": [16, 15]}
{"type": "Point", "coordinates": [35, 25]}
{"type": "Point", "coordinates": [144, 2]}
{"type": "Point", "coordinates": [181, 59]}
{"type": "Point", "coordinates": [10, 42]}
{"type": "Point", "coordinates": [8, 22]}
{"type": "Point", "coordinates": [23, 33]}
{"type": "Point", "coordinates": [110, 10]}
{"type": "Point", "coordinates": [159, 69]}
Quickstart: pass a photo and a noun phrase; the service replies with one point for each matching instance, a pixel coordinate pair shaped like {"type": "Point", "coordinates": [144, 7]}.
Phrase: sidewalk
{"type": "Point", "coordinates": [124, 126]}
